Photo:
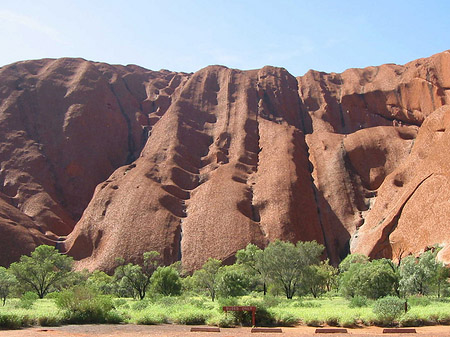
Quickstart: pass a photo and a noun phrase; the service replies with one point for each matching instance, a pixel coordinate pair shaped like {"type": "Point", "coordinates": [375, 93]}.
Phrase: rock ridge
{"type": "Point", "coordinates": [105, 161]}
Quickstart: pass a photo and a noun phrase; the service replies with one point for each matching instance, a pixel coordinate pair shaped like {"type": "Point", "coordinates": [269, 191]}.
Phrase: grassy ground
{"type": "Point", "coordinates": [271, 311]}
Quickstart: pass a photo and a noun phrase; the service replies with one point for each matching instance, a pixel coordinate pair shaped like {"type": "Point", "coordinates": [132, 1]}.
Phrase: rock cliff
{"type": "Point", "coordinates": [106, 161]}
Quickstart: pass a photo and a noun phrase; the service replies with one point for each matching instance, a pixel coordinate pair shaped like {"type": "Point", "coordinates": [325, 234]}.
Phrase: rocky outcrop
{"type": "Point", "coordinates": [411, 211]}
{"type": "Point", "coordinates": [226, 165]}
{"type": "Point", "coordinates": [199, 165]}
{"type": "Point", "coordinates": [65, 126]}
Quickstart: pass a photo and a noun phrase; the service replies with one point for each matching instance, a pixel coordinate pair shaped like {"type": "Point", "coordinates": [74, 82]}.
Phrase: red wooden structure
{"type": "Point", "coordinates": [243, 308]}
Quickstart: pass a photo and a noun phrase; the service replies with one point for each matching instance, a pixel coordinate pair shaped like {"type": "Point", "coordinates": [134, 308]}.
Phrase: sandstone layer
{"type": "Point", "coordinates": [125, 160]}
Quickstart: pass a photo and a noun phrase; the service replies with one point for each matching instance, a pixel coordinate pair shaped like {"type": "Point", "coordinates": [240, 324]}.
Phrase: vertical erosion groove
{"type": "Point", "coordinates": [316, 200]}
{"type": "Point", "coordinates": [131, 146]}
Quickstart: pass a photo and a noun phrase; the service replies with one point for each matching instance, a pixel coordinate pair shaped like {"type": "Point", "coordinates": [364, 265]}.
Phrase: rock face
{"type": "Point", "coordinates": [199, 165]}
{"type": "Point", "coordinates": [65, 126]}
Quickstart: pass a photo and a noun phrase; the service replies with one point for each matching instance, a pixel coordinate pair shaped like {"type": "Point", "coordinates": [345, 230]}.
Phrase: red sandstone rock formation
{"type": "Point", "coordinates": [201, 164]}
{"type": "Point", "coordinates": [411, 211]}
{"type": "Point", "coordinates": [65, 126]}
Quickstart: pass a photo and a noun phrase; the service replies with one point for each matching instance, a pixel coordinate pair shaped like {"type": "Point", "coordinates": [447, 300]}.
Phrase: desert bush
{"type": "Point", "coordinates": [357, 302]}
{"type": "Point", "coordinates": [347, 321]}
{"type": "Point", "coordinates": [373, 280]}
{"type": "Point", "coordinates": [12, 321]}
{"type": "Point", "coordinates": [191, 317]}
{"type": "Point", "coordinates": [166, 281]}
{"type": "Point", "coordinates": [285, 319]}
{"type": "Point", "coordinates": [115, 317]}
{"type": "Point", "coordinates": [139, 305]}
{"type": "Point", "coordinates": [222, 320]}
{"type": "Point", "coordinates": [388, 309]}
{"type": "Point", "coordinates": [418, 300]}
{"type": "Point", "coordinates": [83, 305]}
{"type": "Point", "coordinates": [444, 318]}
{"type": "Point", "coordinates": [151, 318]}
{"type": "Point", "coordinates": [52, 295]}
{"type": "Point", "coordinates": [28, 299]}
{"type": "Point", "coordinates": [410, 319]}
{"type": "Point", "coordinates": [168, 301]}
{"type": "Point", "coordinates": [120, 302]}
{"type": "Point", "coordinates": [301, 304]}
{"type": "Point", "coordinates": [49, 321]}
{"type": "Point", "coordinates": [332, 320]}
{"type": "Point", "coordinates": [270, 301]}
{"type": "Point", "coordinates": [312, 321]}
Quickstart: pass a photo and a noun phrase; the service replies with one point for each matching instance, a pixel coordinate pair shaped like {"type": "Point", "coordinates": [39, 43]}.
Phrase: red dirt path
{"type": "Point", "coordinates": [183, 330]}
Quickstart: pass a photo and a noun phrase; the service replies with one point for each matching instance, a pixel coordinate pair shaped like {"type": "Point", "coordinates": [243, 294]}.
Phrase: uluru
{"type": "Point", "coordinates": [105, 161]}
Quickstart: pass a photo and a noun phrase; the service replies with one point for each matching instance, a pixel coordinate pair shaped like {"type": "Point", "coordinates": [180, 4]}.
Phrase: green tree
{"type": "Point", "coordinates": [388, 309]}
{"type": "Point", "coordinates": [101, 282]}
{"type": "Point", "coordinates": [370, 279]}
{"type": "Point", "coordinates": [288, 263]}
{"type": "Point", "coordinates": [7, 282]}
{"type": "Point", "coordinates": [45, 268]}
{"type": "Point", "coordinates": [137, 278]}
{"type": "Point", "coordinates": [166, 281]}
{"type": "Point", "coordinates": [319, 279]}
{"type": "Point", "coordinates": [442, 276]}
{"type": "Point", "coordinates": [234, 281]}
{"type": "Point", "coordinates": [350, 260]}
{"type": "Point", "coordinates": [419, 275]}
{"type": "Point", "coordinates": [207, 277]}
{"type": "Point", "coordinates": [253, 258]}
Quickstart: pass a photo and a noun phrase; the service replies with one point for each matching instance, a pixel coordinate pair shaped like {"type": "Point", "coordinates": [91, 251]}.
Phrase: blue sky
{"type": "Point", "coordinates": [189, 35]}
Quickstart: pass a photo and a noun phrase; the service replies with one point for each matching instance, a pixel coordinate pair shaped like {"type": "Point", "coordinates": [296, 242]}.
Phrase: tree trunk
{"type": "Point", "coordinates": [264, 288]}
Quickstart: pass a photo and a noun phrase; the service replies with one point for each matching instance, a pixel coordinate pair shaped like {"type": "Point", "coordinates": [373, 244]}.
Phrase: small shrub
{"type": "Point", "coordinates": [286, 319]}
{"type": "Point", "coordinates": [222, 320]}
{"type": "Point", "coordinates": [49, 321]}
{"type": "Point", "coordinates": [388, 309]}
{"type": "Point", "coordinates": [120, 302]}
{"type": "Point", "coordinates": [11, 321]}
{"type": "Point", "coordinates": [227, 302]}
{"type": "Point", "coordinates": [139, 305]}
{"type": "Point", "coordinates": [198, 302]}
{"type": "Point", "coordinates": [114, 317]}
{"type": "Point", "coordinates": [191, 317]}
{"type": "Point", "coordinates": [332, 321]}
{"type": "Point", "coordinates": [347, 321]}
{"type": "Point", "coordinates": [83, 305]}
{"type": "Point", "coordinates": [263, 316]}
{"type": "Point", "coordinates": [52, 295]}
{"type": "Point", "coordinates": [27, 300]}
{"type": "Point", "coordinates": [271, 301]}
{"type": "Point", "coordinates": [432, 319]}
{"type": "Point", "coordinates": [417, 301]}
{"type": "Point", "coordinates": [301, 304]}
{"type": "Point", "coordinates": [312, 322]}
{"type": "Point", "coordinates": [358, 302]}
{"type": "Point", "coordinates": [410, 319]}
{"type": "Point", "coordinates": [444, 318]}
{"type": "Point", "coordinates": [168, 301]}
{"type": "Point", "coordinates": [151, 318]}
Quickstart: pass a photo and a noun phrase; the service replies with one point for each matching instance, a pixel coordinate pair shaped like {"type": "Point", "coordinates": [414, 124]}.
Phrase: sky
{"type": "Point", "coordinates": [189, 35]}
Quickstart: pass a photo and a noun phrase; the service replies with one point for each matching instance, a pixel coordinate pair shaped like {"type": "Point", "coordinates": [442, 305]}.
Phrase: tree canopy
{"type": "Point", "coordinates": [288, 263]}
{"type": "Point", "coordinates": [45, 268]}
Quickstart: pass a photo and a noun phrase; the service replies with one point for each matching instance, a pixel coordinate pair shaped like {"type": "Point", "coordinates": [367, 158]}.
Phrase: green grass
{"type": "Point", "coordinates": [200, 310]}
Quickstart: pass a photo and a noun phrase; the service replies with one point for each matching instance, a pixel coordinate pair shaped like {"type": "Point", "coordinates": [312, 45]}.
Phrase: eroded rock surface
{"type": "Point", "coordinates": [199, 165]}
